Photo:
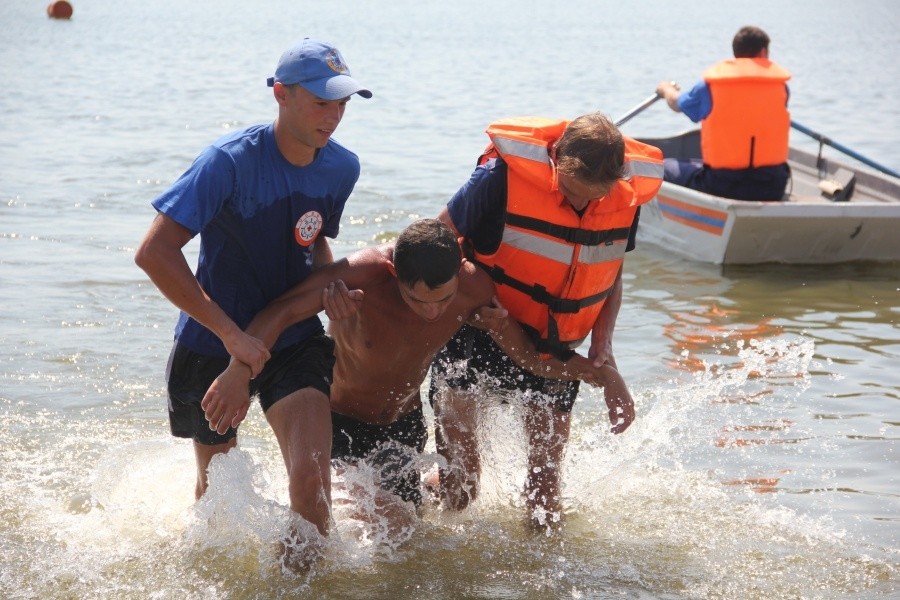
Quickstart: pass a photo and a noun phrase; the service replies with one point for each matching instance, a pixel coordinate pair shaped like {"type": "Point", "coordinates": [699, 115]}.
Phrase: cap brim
{"type": "Point", "coordinates": [335, 88]}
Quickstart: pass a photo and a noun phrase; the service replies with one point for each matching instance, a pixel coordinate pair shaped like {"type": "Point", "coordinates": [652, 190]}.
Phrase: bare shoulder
{"type": "Point", "coordinates": [364, 267]}
{"type": "Point", "coordinates": [374, 256]}
{"type": "Point", "coordinates": [475, 286]}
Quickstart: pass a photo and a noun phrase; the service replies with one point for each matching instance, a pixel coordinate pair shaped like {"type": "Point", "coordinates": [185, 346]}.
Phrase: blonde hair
{"type": "Point", "coordinates": [591, 150]}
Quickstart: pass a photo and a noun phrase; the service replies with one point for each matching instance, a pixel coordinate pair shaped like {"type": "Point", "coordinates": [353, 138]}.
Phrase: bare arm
{"type": "Point", "coordinates": [513, 340]}
{"type": "Point", "coordinates": [160, 255]}
{"type": "Point", "coordinates": [618, 399]}
{"type": "Point", "coordinates": [519, 347]}
{"type": "Point", "coordinates": [615, 392]}
{"type": "Point", "coordinates": [227, 400]}
{"type": "Point", "coordinates": [308, 297]}
{"type": "Point", "coordinates": [669, 91]}
{"type": "Point", "coordinates": [321, 252]}
{"type": "Point", "coordinates": [602, 331]}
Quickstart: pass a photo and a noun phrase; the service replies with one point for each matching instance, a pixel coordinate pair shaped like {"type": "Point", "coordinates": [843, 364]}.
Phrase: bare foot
{"type": "Point", "coordinates": [431, 482]}
{"type": "Point", "coordinates": [299, 552]}
{"type": "Point", "coordinates": [542, 519]}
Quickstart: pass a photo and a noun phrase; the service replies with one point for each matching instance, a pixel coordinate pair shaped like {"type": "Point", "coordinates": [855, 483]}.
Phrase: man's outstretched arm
{"type": "Point", "coordinates": [519, 347]}
{"type": "Point", "coordinates": [160, 255]}
{"type": "Point", "coordinates": [227, 400]}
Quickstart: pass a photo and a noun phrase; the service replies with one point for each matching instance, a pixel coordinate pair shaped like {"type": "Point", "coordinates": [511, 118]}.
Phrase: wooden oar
{"type": "Point", "coordinates": [637, 109]}
{"type": "Point", "coordinates": [824, 140]}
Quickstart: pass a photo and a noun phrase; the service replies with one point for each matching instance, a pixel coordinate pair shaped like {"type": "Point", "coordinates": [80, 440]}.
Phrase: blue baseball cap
{"type": "Point", "coordinates": [320, 69]}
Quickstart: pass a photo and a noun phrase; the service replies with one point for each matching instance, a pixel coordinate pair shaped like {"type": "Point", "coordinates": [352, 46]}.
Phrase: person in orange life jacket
{"type": "Point", "coordinates": [263, 200]}
{"type": "Point", "coordinates": [549, 212]}
{"type": "Point", "coordinates": [741, 105]}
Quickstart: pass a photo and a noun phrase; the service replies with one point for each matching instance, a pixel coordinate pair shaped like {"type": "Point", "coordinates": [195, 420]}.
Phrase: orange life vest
{"type": "Point", "coordinates": [749, 123]}
{"type": "Point", "coordinates": [554, 268]}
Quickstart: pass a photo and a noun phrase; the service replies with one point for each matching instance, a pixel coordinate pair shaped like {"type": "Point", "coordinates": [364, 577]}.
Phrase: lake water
{"type": "Point", "coordinates": [764, 459]}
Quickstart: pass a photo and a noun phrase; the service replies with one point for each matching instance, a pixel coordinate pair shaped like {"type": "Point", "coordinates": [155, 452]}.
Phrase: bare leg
{"type": "Point", "coordinates": [302, 425]}
{"type": "Point", "coordinates": [456, 440]}
{"type": "Point", "coordinates": [399, 516]}
{"type": "Point", "coordinates": [204, 456]}
{"type": "Point", "coordinates": [548, 432]}
{"type": "Point", "coordinates": [380, 507]}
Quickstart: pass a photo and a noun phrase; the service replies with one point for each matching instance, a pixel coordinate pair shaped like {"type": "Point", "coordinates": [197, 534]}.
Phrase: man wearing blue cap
{"type": "Point", "coordinates": [263, 201]}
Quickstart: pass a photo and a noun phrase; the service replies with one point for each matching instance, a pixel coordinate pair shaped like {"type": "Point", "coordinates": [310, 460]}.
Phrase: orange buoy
{"type": "Point", "coordinates": [60, 9]}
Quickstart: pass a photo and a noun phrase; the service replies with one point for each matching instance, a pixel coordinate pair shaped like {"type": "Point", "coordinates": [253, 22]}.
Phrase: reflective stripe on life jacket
{"type": "Point", "coordinates": [749, 123]}
{"type": "Point", "coordinates": [554, 268]}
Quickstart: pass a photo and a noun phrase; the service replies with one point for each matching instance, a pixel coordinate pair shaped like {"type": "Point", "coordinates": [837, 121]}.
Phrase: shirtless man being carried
{"type": "Point", "coordinates": [394, 306]}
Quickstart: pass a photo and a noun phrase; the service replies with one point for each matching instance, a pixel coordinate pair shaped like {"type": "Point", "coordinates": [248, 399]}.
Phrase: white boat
{"type": "Point", "coordinates": [831, 213]}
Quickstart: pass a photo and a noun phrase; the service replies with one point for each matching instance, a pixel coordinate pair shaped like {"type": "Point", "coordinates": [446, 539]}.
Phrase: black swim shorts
{"type": "Point", "coordinates": [393, 449]}
{"type": "Point", "coordinates": [472, 358]}
{"type": "Point", "coordinates": [305, 364]}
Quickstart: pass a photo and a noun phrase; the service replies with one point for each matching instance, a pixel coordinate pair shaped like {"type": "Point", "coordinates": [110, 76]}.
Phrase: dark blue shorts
{"type": "Point", "coordinates": [393, 449]}
{"type": "Point", "coordinates": [483, 357]}
{"type": "Point", "coordinates": [307, 364]}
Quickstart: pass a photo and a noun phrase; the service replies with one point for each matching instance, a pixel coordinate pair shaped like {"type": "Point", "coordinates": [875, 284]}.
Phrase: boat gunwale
{"type": "Point", "coordinates": [872, 188]}
{"type": "Point", "coordinates": [679, 214]}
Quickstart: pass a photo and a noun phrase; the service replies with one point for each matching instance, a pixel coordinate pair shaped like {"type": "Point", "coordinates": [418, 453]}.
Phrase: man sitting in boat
{"type": "Point", "coordinates": [741, 105]}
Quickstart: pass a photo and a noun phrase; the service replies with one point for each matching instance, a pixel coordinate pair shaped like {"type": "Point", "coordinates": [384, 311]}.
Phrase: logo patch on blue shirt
{"type": "Point", "coordinates": [307, 229]}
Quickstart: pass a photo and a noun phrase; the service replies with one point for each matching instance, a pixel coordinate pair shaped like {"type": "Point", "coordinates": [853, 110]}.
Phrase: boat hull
{"type": "Point", "coordinates": [807, 227]}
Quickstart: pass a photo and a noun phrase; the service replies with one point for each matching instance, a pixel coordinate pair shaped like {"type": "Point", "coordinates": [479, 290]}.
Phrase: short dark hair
{"type": "Point", "coordinates": [591, 150]}
{"type": "Point", "coordinates": [749, 41]}
{"type": "Point", "coordinates": [427, 251]}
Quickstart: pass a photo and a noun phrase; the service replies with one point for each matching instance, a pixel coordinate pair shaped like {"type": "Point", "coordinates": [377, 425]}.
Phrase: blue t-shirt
{"type": "Point", "coordinates": [257, 216]}
{"type": "Point", "coordinates": [478, 208]}
{"type": "Point", "coordinates": [696, 102]}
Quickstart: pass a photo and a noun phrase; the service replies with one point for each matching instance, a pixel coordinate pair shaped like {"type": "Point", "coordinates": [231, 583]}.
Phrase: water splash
{"type": "Point", "coordinates": [663, 510]}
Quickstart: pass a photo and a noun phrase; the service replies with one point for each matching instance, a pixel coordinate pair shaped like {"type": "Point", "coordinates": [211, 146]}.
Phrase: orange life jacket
{"type": "Point", "coordinates": [554, 268]}
{"type": "Point", "coordinates": [749, 123]}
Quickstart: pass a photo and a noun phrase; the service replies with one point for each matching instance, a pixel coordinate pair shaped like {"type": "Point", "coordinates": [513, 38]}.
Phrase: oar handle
{"type": "Point", "coordinates": [825, 140]}
{"type": "Point", "coordinates": [637, 109]}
